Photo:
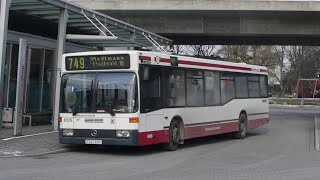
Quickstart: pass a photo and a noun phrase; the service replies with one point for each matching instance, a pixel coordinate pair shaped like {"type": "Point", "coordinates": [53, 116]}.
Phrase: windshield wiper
{"type": "Point", "coordinates": [76, 108]}
{"type": "Point", "coordinates": [110, 109]}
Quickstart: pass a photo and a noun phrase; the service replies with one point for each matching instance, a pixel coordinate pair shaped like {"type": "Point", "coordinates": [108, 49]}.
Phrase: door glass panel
{"type": "Point", "coordinates": [150, 90]}
{"type": "Point", "coordinates": [34, 86]}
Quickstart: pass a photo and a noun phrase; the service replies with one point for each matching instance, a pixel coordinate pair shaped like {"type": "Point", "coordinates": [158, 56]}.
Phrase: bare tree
{"type": "Point", "coordinates": [281, 72]}
{"type": "Point", "coordinates": [235, 53]}
{"type": "Point", "coordinates": [304, 62]}
{"type": "Point", "coordinates": [179, 49]}
{"type": "Point", "coordinates": [259, 55]}
{"type": "Point", "coordinates": [201, 50]}
{"type": "Point", "coordinates": [195, 50]}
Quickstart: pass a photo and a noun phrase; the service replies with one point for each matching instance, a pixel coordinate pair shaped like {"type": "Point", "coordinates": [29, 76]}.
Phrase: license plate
{"type": "Point", "coordinates": [90, 141]}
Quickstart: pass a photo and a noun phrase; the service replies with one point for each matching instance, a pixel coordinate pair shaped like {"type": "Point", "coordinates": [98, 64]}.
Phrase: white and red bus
{"type": "Point", "coordinates": [139, 98]}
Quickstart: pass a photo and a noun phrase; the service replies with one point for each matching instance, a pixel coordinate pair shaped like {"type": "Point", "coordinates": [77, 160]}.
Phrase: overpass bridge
{"type": "Point", "coordinates": [220, 21]}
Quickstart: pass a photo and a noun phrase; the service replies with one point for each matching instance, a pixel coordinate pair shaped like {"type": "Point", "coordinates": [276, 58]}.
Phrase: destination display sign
{"type": "Point", "coordinates": [95, 62]}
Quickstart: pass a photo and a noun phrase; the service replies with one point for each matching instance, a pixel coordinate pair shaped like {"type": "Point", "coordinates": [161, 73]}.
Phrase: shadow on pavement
{"type": "Point", "coordinates": [153, 149]}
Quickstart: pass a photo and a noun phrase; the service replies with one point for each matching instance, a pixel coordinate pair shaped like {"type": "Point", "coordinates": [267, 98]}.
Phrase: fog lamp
{"type": "Point", "coordinates": [67, 132]}
{"type": "Point", "coordinates": [123, 134]}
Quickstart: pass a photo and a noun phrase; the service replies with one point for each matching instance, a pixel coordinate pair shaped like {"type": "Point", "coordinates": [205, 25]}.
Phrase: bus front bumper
{"type": "Point", "coordinates": [104, 137]}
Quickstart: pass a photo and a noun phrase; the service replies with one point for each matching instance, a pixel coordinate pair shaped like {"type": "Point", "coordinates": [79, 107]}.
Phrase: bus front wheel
{"type": "Point", "coordinates": [242, 129]}
{"type": "Point", "coordinates": [174, 136]}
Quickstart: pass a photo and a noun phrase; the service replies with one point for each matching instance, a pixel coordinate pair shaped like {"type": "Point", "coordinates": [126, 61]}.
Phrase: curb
{"type": "Point", "coordinates": [316, 133]}
{"type": "Point", "coordinates": [294, 107]}
{"type": "Point", "coordinates": [38, 154]}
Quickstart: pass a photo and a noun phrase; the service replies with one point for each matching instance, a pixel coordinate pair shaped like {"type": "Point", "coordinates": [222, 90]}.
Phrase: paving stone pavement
{"type": "Point", "coordinates": [45, 142]}
{"type": "Point", "coordinates": [26, 130]}
{"type": "Point", "coordinates": [31, 145]}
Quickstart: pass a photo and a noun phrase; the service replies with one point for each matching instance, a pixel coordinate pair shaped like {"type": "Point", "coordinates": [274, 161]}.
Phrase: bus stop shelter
{"type": "Point", "coordinates": [71, 23]}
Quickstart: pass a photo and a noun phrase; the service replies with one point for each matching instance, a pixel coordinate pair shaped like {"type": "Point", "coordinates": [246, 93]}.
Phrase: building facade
{"type": "Point", "coordinates": [50, 29]}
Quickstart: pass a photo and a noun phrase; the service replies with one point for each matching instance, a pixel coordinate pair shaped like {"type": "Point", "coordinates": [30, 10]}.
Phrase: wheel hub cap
{"type": "Point", "coordinates": [175, 135]}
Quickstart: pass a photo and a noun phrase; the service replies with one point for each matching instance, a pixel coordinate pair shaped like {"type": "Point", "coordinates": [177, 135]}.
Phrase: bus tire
{"type": "Point", "coordinates": [174, 136]}
{"type": "Point", "coordinates": [242, 129]}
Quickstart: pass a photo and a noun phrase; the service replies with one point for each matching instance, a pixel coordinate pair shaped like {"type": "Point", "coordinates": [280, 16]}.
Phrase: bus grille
{"type": "Point", "coordinates": [102, 133]}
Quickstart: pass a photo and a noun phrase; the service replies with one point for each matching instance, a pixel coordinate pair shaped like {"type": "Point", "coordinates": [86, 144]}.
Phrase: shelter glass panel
{"type": "Point", "coordinates": [34, 79]}
{"type": "Point", "coordinates": [47, 83]}
{"type": "Point", "coordinates": [13, 75]}
{"type": "Point", "coordinates": [6, 74]}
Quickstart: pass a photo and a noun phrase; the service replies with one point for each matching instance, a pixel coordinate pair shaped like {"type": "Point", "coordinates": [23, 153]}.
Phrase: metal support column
{"type": "Point", "coordinates": [4, 16]}
{"type": "Point", "coordinates": [154, 48]}
{"type": "Point", "coordinates": [20, 98]}
{"type": "Point", "coordinates": [171, 48]}
{"type": "Point", "coordinates": [60, 50]}
{"type": "Point", "coordinates": [132, 38]}
{"type": "Point", "coordinates": [101, 34]}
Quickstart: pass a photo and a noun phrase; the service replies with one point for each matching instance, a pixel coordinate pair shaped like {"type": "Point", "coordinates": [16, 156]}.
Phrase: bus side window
{"type": "Point", "coordinates": [227, 87]}
{"type": "Point", "coordinates": [174, 87]}
{"type": "Point", "coordinates": [212, 88]}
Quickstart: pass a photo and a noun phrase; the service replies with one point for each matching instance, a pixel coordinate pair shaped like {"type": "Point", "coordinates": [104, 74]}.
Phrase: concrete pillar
{"type": "Point", "coordinates": [62, 27]}
{"type": "Point", "coordinates": [4, 17]}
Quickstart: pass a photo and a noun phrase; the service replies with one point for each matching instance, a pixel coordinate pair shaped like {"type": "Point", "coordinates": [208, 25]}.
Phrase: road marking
{"type": "Point", "coordinates": [316, 133]}
{"type": "Point", "coordinates": [28, 135]}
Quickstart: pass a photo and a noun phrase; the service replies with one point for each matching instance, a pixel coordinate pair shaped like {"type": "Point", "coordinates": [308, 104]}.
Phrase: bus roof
{"type": "Point", "coordinates": [200, 63]}
{"type": "Point", "coordinates": [166, 59]}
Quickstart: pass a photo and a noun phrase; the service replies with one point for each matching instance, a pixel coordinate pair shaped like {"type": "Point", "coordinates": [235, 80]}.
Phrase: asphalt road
{"type": "Point", "coordinates": [284, 149]}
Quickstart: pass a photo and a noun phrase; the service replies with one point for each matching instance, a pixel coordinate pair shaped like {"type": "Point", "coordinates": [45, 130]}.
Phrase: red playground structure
{"type": "Point", "coordinates": [310, 84]}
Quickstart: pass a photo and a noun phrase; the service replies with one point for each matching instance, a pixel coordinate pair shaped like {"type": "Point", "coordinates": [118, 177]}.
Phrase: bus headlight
{"type": "Point", "coordinates": [123, 134]}
{"type": "Point", "coordinates": [67, 132]}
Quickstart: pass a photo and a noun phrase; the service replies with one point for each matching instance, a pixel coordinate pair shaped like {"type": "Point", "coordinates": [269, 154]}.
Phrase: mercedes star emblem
{"type": "Point", "coordinates": [94, 133]}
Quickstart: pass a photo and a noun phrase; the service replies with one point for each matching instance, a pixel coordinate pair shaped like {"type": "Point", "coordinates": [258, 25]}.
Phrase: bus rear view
{"type": "Point", "coordinates": [99, 99]}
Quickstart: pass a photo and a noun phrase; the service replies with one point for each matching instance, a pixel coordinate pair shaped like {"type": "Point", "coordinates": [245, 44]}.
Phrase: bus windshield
{"type": "Point", "coordinates": [99, 93]}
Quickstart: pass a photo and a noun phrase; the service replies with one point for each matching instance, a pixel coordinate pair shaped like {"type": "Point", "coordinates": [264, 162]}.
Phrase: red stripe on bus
{"type": "Point", "coordinates": [146, 58]}
{"type": "Point", "coordinates": [153, 137]}
{"type": "Point", "coordinates": [162, 136]}
{"type": "Point", "coordinates": [212, 129]}
{"type": "Point", "coordinates": [257, 122]}
{"type": "Point", "coordinates": [214, 65]}
{"type": "Point", "coordinates": [165, 60]}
